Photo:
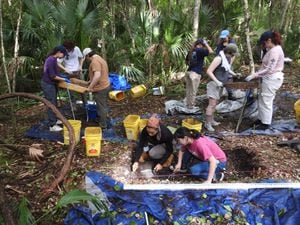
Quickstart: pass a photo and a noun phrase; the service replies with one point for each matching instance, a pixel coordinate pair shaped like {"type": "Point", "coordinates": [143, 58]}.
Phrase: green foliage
{"type": "Point", "coordinates": [78, 196]}
{"type": "Point", "coordinates": [25, 215]}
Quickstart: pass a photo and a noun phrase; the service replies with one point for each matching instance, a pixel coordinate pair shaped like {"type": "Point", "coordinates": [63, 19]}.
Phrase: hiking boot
{"type": "Point", "coordinates": [215, 123]}
{"type": "Point", "coordinates": [209, 127]}
{"type": "Point", "coordinates": [55, 128]}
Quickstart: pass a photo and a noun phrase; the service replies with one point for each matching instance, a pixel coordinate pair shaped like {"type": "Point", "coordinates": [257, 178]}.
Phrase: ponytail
{"type": "Point", "coordinates": [277, 38]}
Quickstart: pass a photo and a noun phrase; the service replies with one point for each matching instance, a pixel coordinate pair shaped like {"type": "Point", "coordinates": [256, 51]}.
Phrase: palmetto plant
{"type": "Point", "coordinates": [77, 21]}
{"type": "Point", "coordinates": [69, 199]}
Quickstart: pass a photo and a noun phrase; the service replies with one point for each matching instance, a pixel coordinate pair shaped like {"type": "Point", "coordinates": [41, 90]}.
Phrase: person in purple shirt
{"type": "Point", "coordinates": [49, 81]}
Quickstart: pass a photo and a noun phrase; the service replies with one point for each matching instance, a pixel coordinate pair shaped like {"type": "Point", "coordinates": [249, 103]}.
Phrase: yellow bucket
{"type": "Point", "coordinates": [138, 91]}
{"type": "Point", "coordinates": [131, 125]}
{"type": "Point", "coordinates": [116, 95]}
{"type": "Point", "coordinates": [93, 137]}
{"type": "Point", "coordinates": [142, 124]}
{"type": "Point", "coordinates": [76, 124]}
{"type": "Point", "coordinates": [297, 111]}
{"type": "Point", "coordinates": [192, 124]}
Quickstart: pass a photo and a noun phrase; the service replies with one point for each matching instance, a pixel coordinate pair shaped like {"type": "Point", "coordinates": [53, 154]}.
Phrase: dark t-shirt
{"type": "Point", "coordinates": [166, 138]}
{"type": "Point", "coordinates": [50, 70]}
{"type": "Point", "coordinates": [197, 60]}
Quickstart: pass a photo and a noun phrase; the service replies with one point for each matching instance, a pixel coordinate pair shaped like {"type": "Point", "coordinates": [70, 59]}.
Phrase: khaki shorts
{"type": "Point", "coordinates": [215, 92]}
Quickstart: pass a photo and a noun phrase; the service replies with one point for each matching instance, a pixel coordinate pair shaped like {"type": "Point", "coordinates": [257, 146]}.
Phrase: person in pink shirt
{"type": "Point", "coordinates": [271, 75]}
{"type": "Point", "coordinates": [212, 158]}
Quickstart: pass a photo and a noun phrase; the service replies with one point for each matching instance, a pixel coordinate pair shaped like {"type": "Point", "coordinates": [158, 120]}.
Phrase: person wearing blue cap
{"type": "Point", "coordinates": [271, 75]}
{"type": "Point", "coordinates": [195, 60]}
{"type": "Point", "coordinates": [49, 81]}
{"type": "Point", "coordinates": [224, 39]}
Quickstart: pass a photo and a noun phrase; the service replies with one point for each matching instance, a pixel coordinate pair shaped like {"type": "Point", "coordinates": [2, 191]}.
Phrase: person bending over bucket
{"type": "Point", "coordinates": [194, 145]}
{"type": "Point", "coordinates": [155, 144]}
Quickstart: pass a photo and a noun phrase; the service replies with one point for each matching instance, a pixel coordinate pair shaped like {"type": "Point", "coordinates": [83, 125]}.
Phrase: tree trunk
{"type": "Point", "coordinates": [247, 32]}
{"type": "Point", "coordinates": [16, 50]}
{"type": "Point", "coordinates": [284, 14]}
{"type": "Point", "coordinates": [196, 18]}
{"type": "Point", "coordinates": [3, 50]}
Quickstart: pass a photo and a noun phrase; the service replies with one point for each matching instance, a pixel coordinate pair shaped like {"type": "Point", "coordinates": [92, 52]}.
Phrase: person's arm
{"type": "Point", "coordinates": [270, 66]}
{"type": "Point", "coordinates": [214, 64]}
{"type": "Point", "coordinates": [212, 169]}
{"type": "Point", "coordinates": [60, 65]}
{"type": "Point", "coordinates": [94, 81]}
{"type": "Point", "coordinates": [210, 50]}
{"type": "Point", "coordinates": [179, 163]}
{"type": "Point", "coordinates": [167, 136]}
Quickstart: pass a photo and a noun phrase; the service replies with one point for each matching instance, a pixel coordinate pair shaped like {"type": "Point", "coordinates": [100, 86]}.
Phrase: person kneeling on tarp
{"type": "Point", "coordinates": [193, 144]}
{"type": "Point", "coordinates": [155, 144]}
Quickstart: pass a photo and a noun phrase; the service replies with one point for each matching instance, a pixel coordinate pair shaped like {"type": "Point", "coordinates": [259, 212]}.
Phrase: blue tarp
{"type": "Point", "coordinates": [258, 206]}
{"type": "Point", "coordinates": [118, 82]}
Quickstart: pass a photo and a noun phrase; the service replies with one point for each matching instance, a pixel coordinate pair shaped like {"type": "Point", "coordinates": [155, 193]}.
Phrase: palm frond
{"type": "Point", "coordinates": [25, 215]}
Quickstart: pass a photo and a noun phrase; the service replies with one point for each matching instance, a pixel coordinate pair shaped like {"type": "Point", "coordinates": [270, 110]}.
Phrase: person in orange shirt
{"type": "Point", "coordinates": [99, 83]}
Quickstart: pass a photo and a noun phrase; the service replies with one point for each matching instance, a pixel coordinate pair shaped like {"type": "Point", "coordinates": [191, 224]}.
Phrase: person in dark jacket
{"type": "Point", "coordinates": [155, 144]}
{"type": "Point", "coordinates": [195, 61]}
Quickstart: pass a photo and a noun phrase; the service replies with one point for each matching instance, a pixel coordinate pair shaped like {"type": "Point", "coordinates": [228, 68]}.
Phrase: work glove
{"type": "Point", "coordinates": [250, 77]}
{"type": "Point", "coordinates": [135, 166]}
{"type": "Point", "coordinates": [219, 83]}
{"type": "Point", "coordinates": [238, 75]}
{"type": "Point", "coordinates": [67, 80]}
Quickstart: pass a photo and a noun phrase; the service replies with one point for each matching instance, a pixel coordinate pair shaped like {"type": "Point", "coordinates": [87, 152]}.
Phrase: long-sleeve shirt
{"type": "Point", "coordinates": [272, 62]}
{"type": "Point", "coordinates": [164, 136]}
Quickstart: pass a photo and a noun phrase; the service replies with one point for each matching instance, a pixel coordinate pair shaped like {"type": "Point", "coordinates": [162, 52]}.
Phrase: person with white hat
{"type": "Point", "coordinates": [99, 83]}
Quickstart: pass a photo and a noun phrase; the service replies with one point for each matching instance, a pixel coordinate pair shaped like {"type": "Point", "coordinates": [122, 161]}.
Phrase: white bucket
{"type": "Point", "coordinates": [158, 90]}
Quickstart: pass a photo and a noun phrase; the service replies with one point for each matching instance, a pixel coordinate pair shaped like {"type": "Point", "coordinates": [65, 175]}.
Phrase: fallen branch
{"type": "Point", "coordinates": [8, 216]}
{"type": "Point", "coordinates": [51, 188]}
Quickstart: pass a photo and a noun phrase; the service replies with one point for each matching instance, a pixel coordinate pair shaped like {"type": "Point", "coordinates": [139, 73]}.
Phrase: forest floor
{"type": "Point", "coordinates": [250, 158]}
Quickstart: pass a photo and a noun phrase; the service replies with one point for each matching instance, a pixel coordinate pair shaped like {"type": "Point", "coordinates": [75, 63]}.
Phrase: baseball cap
{"type": "Point", "coordinates": [265, 36]}
{"type": "Point", "coordinates": [86, 51]}
{"type": "Point", "coordinates": [232, 48]}
{"type": "Point", "coordinates": [199, 41]}
{"type": "Point", "coordinates": [224, 33]}
{"type": "Point", "coordinates": [62, 49]}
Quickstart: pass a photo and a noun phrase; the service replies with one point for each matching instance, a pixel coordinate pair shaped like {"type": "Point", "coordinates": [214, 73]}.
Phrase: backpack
{"type": "Point", "coordinates": [193, 60]}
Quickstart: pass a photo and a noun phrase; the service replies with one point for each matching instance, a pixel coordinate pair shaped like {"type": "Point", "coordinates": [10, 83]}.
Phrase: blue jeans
{"type": "Point", "coordinates": [50, 93]}
{"type": "Point", "coordinates": [200, 168]}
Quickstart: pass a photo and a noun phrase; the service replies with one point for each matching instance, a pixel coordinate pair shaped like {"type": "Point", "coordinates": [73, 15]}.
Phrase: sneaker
{"type": "Point", "coordinates": [215, 123]}
{"type": "Point", "coordinates": [59, 122]}
{"type": "Point", "coordinates": [209, 127]}
{"type": "Point", "coordinates": [55, 128]}
{"type": "Point", "coordinates": [219, 178]}
{"type": "Point", "coordinates": [262, 127]}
